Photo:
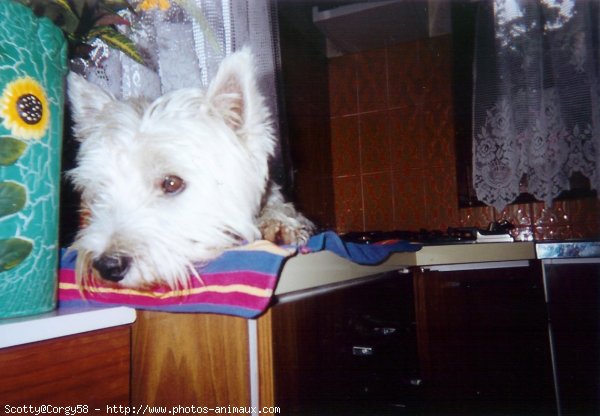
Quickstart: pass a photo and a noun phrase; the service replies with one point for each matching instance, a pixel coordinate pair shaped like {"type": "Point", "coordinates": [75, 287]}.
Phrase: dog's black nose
{"type": "Point", "coordinates": [113, 268]}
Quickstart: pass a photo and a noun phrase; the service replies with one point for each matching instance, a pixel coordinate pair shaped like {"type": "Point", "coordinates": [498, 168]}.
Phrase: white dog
{"type": "Point", "coordinates": [174, 182]}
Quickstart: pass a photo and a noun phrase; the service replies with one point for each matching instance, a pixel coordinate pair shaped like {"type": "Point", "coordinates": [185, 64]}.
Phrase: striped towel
{"type": "Point", "coordinates": [240, 282]}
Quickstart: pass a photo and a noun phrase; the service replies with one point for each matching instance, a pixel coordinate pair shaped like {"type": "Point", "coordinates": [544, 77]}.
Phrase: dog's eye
{"type": "Point", "coordinates": [172, 184]}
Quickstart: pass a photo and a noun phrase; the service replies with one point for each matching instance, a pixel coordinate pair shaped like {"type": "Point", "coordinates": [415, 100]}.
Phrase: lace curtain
{"type": "Point", "coordinates": [536, 104]}
{"type": "Point", "coordinates": [180, 51]}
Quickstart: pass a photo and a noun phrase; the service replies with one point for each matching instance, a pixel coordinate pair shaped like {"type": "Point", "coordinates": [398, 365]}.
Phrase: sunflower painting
{"type": "Point", "coordinates": [32, 68]}
{"type": "Point", "coordinates": [24, 108]}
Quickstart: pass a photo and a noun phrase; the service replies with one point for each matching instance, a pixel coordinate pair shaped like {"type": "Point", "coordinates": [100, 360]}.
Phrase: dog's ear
{"type": "Point", "coordinates": [233, 92]}
{"type": "Point", "coordinates": [86, 99]}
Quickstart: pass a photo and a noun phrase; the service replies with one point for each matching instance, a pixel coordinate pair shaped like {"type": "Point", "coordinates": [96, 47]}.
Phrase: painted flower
{"type": "Point", "coordinates": [154, 4]}
{"type": "Point", "coordinates": [24, 108]}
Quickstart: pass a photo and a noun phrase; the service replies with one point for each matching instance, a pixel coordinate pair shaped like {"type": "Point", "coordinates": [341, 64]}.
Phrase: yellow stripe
{"type": "Point", "coordinates": [249, 290]}
{"type": "Point", "coordinates": [264, 245]}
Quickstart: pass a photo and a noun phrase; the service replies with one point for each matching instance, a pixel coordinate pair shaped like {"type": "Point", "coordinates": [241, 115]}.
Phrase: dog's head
{"type": "Point", "coordinates": [169, 183]}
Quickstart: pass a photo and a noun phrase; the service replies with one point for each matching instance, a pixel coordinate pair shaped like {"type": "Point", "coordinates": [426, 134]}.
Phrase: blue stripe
{"type": "Point", "coordinates": [188, 308]}
{"type": "Point", "coordinates": [233, 261]}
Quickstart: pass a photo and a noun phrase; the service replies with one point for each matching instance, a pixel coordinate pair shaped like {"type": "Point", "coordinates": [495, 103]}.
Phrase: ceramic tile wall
{"type": "Point", "coordinates": [574, 219]}
{"type": "Point", "coordinates": [393, 155]}
{"type": "Point", "coordinates": [392, 137]}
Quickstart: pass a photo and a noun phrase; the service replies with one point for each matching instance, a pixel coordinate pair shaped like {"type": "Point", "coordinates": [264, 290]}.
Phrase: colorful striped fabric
{"type": "Point", "coordinates": [240, 282]}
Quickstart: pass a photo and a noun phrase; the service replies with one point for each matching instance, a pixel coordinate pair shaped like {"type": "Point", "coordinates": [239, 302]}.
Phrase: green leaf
{"type": "Point", "coordinates": [69, 18]}
{"type": "Point", "coordinates": [10, 150]}
{"type": "Point", "coordinates": [116, 40]}
{"type": "Point", "coordinates": [117, 5]}
{"type": "Point", "coordinates": [12, 198]}
{"type": "Point", "coordinates": [65, 5]}
{"type": "Point", "coordinates": [13, 251]}
{"type": "Point", "coordinates": [59, 11]}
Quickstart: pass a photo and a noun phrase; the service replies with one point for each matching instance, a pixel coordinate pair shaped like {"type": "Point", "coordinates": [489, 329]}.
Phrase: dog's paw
{"type": "Point", "coordinates": [289, 231]}
{"type": "Point", "coordinates": [280, 223]}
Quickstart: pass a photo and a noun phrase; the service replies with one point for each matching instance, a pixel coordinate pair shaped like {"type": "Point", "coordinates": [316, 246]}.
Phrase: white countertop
{"type": "Point", "coordinates": [59, 323]}
{"type": "Point", "coordinates": [315, 270]}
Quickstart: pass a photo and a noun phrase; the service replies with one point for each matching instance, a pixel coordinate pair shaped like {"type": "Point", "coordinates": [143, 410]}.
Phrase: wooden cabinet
{"type": "Point", "coordinates": [336, 348]}
{"type": "Point", "coordinates": [89, 369]}
{"type": "Point", "coordinates": [184, 359]}
{"type": "Point", "coordinates": [345, 351]}
{"type": "Point", "coordinates": [573, 287]}
{"type": "Point", "coordinates": [483, 338]}
{"type": "Point", "coordinates": [467, 340]}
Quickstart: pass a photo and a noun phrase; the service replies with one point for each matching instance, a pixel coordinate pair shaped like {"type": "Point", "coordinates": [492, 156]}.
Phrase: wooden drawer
{"type": "Point", "coordinates": [86, 369]}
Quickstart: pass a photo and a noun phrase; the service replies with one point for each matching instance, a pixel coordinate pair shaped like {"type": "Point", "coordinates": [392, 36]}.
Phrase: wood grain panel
{"type": "Point", "coordinates": [421, 322]}
{"type": "Point", "coordinates": [296, 329]}
{"type": "Point", "coordinates": [266, 365]}
{"type": "Point", "coordinates": [86, 369]}
{"type": "Point", "coordinates": [190, 359]}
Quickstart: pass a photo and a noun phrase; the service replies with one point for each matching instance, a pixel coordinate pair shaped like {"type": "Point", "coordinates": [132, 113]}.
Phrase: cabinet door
{"type": "Point", "coordinates": [190, 359]}
{"type": "Point", "coordinates": [89, 370]}
{"type": "Point", "coordinates": [573, 288]}
{"type": "Point", "coordinates": [483, 338]}
{"type": "Point", "coordinates": [350, 350]}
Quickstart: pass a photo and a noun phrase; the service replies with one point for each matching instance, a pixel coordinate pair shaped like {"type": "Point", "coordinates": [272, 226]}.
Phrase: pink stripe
{"type": "Point", "coordinates": [244, 277]}
{"type": "Point", "coordinates": [250, 278]}
{"type": "Point", "coordinates": [215, 297]}
{"type": "Point", "coordinates": [66, 275]}
{"type": "Point", "coordinates": [211, 297]}
{"type": "Point", "coordinates": [233, 299]}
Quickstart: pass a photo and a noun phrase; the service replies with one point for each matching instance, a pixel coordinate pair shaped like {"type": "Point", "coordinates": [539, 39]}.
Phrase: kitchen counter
{"type": "Point", "coordinates": [316, 270]}
{"type": "Point", "coordinates": [303, 272]}
{"type": "Point", "coordinates": [59, 323]}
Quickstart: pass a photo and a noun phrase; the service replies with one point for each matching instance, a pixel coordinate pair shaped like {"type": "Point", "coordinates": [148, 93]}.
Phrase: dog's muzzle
{"type": "Point", "coordinates": [111, 267]}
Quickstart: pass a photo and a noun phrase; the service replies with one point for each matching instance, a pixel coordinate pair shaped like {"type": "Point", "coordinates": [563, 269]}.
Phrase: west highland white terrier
{"type": "Point", "coordinates": [174, 182]}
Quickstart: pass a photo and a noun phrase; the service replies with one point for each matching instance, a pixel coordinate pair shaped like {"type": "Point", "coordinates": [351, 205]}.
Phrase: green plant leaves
{"type": "Point", "coordinates": [116, 40]}
{"type": "Point", "coordinates": [117, 5]}
{"type": "Point", "coordinates": [13, 251]}
{"type": "Point", "coordinates": [59, 11]}
{"type": "Point", "coordinates": [13, 197]}
{"type": "Point", "coordinates": [10, 150]}
{"type": "Point", "coordinates": [66, 16]}
{"type": "Point", "coordinates": [83, 21]}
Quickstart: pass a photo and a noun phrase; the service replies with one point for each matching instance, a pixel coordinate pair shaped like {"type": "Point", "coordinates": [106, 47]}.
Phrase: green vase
{"type": "Point", "coordinates": [33, 64]}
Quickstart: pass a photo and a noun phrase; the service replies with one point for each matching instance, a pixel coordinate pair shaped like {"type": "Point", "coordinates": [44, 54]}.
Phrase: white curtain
{"type": "Point", "coordinates": [180, 52]}
{"type": "Point", "coordinates": [536, 103]}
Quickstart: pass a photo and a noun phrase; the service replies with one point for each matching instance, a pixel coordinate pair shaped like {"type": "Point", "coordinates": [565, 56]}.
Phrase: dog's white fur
{"type": "Point", "coordinates": [218, 141]}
